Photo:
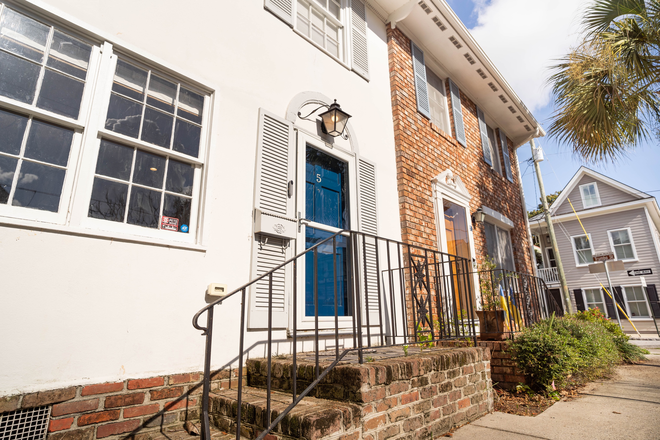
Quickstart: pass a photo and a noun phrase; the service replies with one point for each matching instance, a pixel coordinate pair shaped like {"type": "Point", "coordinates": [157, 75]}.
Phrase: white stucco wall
{"type": "Point", "coordinates": [82, 309]}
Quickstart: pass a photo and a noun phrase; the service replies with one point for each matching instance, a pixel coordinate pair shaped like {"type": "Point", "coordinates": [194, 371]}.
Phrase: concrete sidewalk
{"type": "Point", "coordinates": [625, 407]}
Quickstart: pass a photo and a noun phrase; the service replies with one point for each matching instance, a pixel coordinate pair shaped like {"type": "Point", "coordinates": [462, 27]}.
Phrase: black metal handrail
{"type": "Point", "coordinates": [395, 293]}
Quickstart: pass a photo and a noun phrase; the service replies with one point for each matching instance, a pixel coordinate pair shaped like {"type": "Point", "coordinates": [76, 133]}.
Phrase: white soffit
{"type": "Point", "coordinates": [465, 62]}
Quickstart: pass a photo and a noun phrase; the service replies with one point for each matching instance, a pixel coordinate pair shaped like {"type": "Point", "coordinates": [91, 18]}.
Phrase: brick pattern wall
{"type": "Point", "coordinates": [135, 407]}
{"type": "Point", "coordinates": [504, 372]}
{"type": "Point", "coordinates": [423, 151]}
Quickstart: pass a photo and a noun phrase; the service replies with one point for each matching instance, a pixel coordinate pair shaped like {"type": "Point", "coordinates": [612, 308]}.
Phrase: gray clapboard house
{"type": "Point", "coordinates": [617, 219]}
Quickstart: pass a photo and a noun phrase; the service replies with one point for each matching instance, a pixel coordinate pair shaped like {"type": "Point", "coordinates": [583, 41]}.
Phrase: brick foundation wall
{"type": "Point", "coordinates": [504, 372]}
{"type": "Point", "coordinates": [136, 408]}
{"type": "Point", "coordinates": [423, 151]}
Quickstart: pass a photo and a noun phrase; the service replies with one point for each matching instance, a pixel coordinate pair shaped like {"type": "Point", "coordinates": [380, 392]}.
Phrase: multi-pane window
{"type": "Point", "coordinates": [437, 100]}
{"type": "Point", "coordinates": [583, 251]}
{"type": "Point", "coordinates": [622, 244]}
{"type": "Point", "coordinates": [149, 134]}
{"type": "Point", "coordinates": [320, 21]}
{"type": "Point", "coordinates": [590, 196]}
{"type": "Point", "coordinates": [498, 246]}
{"type": "Point", "coordinates": [140, 188]}
{"type": "Point", "coordinates": [41, 65]}
{"type": "Point", "coordinates": [34, 156]}
{"type": "Point", "coordinates": [146, 106]}
{"type": "Point", "coordinates": [594, 300]}
{"type": "Point", "coordinates": [494, 149]}
{"type": "Point", "coordinates": [636, 299]}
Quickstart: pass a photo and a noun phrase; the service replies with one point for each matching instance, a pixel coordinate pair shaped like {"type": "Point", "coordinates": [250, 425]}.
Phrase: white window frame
{"type": "Point", "coordinates": [646, 301]}
{"type": "Point", "coordinates": [632, 244]}
{"type": "Point", "coordinates": [548, 259]}
{"type": "Point", "coordinates": [595, 185]}
{"type": "Point", "coordinates": [495, 151]}
{"type": "Point", "coordinates": [602, 297]}
{"type": "Point", "coordinates": [72, 216]}
{"type": "Point", "coordinates": [575, 251]}
{"type": "Point", "coordinates": [445, 123]}
{"type": "Point", "coordinates": [498, 245]}
{"type": "Point", "coordinates": [343, 25]}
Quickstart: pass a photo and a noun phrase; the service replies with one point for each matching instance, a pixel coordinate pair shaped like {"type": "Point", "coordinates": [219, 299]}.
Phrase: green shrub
{"type": "Point", "coordinates": [574, 348]}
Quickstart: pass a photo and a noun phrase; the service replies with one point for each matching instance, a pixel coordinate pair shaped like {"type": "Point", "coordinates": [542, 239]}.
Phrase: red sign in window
{"type": "Point", "coordinates": [169, 224]}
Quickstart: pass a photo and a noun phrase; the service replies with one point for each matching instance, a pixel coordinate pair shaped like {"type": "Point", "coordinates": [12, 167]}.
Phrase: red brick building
{"type": "Point", "coordinates": [457, 126]}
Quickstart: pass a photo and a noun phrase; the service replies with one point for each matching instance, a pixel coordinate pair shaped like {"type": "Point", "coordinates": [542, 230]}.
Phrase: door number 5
{"type": "Point", "coordinates": [318, 178]}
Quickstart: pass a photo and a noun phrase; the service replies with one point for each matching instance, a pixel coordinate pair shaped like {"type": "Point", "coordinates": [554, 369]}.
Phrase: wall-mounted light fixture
{"type": "Point", "coordinates": [333, 121]}
{"type": "Point", "coordinates": [479, 216]}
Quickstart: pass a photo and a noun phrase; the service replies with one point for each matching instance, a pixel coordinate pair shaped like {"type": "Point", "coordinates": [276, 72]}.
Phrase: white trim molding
{"type": "Point", "coordinates": [632, 244]}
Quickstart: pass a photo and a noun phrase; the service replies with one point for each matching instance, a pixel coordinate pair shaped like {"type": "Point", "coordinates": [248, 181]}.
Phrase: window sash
{"type": "Point", "coordinates": [636, 300]}
{"type": "Point", "coordinates": [590, 196]}
{"type": "Point", "coordinates": [304, 15]}
{"type": "Point", "coordinates": [583, 250]}
{"type": "Point", "coordinates": [594, 299]}
{"type": "Point", "coordinates": [622, 245]}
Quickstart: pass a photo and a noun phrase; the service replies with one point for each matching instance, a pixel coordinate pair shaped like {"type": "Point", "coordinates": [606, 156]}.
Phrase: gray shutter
{"type": "Point", "coordinates": [457, 112]}
{"type": "Point", "coordinates": [609, 305]}
{"type": "Point", "coordinates": [483, 129]}
{"type": "Point", "coordinates": [579, 300]}
{"type": "Point", "coordinates": [653, 299]}
{"type": "Point", "coordinates": [275, 168]}
{"type": "Point", "coordinates": [505, 153]}
{"type": "Point", "coordinates": [282, 9]}
{"type": "Point", "coordinates": [618, 296]}
{"type": "Point", "coordinates": [421, 87]}
{"type": "Point", "coordinates": [359, 38]}
{"type": "Point", "coordinates": [368, 248]}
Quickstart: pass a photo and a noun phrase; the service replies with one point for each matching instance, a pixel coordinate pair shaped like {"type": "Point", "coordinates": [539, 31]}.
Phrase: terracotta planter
{"type": "Point", "coordinates": [491, 325]}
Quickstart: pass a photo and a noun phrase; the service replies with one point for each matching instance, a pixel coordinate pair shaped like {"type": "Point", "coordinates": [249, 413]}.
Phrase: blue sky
{"type": "Point", "coordinates": [523, 38]}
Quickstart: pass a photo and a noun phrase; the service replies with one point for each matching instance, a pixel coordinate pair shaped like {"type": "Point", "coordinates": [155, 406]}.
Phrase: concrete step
{"type": "Point", "coordinates": [311, 419]}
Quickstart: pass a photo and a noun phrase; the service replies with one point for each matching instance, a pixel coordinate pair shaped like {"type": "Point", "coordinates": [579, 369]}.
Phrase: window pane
{"type": "Point", "coordinates": [108, 200]}
{"type": "Point", "coordinates": [144, 207]}
{"type": "Point", "coordinates": [333, 48]}
{"type": "Point", "coordinates": [317, 36]}
{"type": "Point", "coordinates": [179, 208]}
{"type": "Point", "coordinates": [114, 161]}
{"type": "Point", "coordinates": [18, 78]}
{"type": "Point", "coordinates": [624, 252]}
{"type": "Point", "coordinates": [180, 178]}
{"type": "Point", "coordinates": [582, 243]}
{"type": "Point", "coordinates": [317, 20]}
{"type": "Point", "coordinates": [157, 128]}
{"type": "Point", "coordinates": [39, 187]}
{"type": "Point", "coordinates": [634, 293]}
{"type": "Point", "coordinates": [585, 257]}
{"type": "Point", "coordinates": [191, 105]}
{"type": "Point", "coordinates": [22, 35]}
{"type": "Point", "coordinates": [593, 295]}
{"type": "Point", "coordinates": [12, 129]}
{"type": "Point", "coordinates": [49, 143]}
{"type": "Point", "coordinates": [149, 169]}
{"type": "Point", "coordinates": [124, 116]}
{"type": "Point", "coordinates": [7, 170]}
{"type": "Point", "coordinates": [186, 138]}
{"type": "Point", "coordinates": [60, 94]}
{"type": "Point", "coordinates": [303, 25]}
{"type": "Point", "coordinates": [69, 55]}
{"type": "Point", "coordinates": [161, 94]}
{"type": "Point", "coordinates": [334, 9]}
{"type": "Point", "coordinates": [130, 80]}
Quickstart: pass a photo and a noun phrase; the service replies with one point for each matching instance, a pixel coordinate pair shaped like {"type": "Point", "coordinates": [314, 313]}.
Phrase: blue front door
{"type": "Point", "coordinates": [326, 203]}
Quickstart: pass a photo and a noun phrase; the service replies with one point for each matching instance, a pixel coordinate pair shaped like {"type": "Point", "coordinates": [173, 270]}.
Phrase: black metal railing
{"type": "Point", "coordinates": [375, 292]}
{"type": "Point", "coordinates": [511, 301]}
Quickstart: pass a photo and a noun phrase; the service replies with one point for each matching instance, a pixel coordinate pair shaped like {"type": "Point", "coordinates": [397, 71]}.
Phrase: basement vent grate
{"type": "Point", "coordinates": [469, 58]}
{"type": "Point", "coordinates": [439, 24]}
{"type": "Point", "coordinates": [25, 424]}
{"type": "Point", "coordinates": [511, 109]}
{"type": "Point", "coordinates": [455, 42]}
{"type": "Point", "coordinates": [520, 119]}
{"type": "Point", "coordinates": [481, 74]}
{"type": "Point", "coordinates": [527, 128]}
{"type": "Point", "coordinates": [425, 7]}
{"type": "Point", "coordinates": [492, 87]}
{"type": "Point", "coordinates": [503, 99]}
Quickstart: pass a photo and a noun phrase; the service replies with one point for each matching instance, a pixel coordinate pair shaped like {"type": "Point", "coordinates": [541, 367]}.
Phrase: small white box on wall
{"type": "Point", "coordinates": [274, 225]}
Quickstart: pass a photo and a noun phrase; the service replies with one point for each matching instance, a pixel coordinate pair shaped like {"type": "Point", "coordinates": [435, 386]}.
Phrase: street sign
{"type": "Point", "coordinates": [639, 272]}
{"type": "Point", "coordinates": [604, 256]}
{"type": "Point", "coordinates": [612, 266]}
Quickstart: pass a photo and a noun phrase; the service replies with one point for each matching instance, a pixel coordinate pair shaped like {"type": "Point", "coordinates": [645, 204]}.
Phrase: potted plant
{"type": "Point", "coordinates": [492, 317]}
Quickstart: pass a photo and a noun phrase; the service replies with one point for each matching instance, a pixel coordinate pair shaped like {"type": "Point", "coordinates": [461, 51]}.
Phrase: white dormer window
{"type": "Point", "coordinates": [590, 196]}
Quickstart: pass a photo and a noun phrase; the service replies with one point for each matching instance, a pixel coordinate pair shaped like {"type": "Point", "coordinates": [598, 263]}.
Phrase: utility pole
{"type": "Point", "coordinates": [551, 231]}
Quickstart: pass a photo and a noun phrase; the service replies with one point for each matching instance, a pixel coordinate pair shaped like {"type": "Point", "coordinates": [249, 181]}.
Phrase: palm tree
{"type": "Point", "coordinates": [607, 90]}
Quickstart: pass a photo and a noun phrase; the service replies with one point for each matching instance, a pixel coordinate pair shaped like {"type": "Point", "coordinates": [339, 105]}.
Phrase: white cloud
{"type": "Point", "coordinates": [525, 37]}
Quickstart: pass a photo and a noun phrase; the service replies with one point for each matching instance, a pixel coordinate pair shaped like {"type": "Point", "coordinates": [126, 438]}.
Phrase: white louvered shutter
{"type": "Point", "coordinates": [421, 87]}
{"type": "Point", "coordinates": [360, 62]}
{"type": "Point", "coordinates": [282, 9]}
{"type": "Point", "coordinates": [368, 249]}
{"type": "Point", "coordinates": [505, 153]}
{"type": "Point", "coordinates": [457, 111]}
{"type": "Point", "coordinates": [275, 168]}
{"type": "Point", "coordinates": [483, 129]}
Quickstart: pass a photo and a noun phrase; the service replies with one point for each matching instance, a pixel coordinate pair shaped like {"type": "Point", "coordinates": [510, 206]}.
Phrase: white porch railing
{"type": "Point", "coordinates": [549, 275]}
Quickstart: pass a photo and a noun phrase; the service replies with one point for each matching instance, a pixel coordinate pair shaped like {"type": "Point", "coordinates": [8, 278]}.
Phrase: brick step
{"type": "Point", "coordinates": [311, 419]}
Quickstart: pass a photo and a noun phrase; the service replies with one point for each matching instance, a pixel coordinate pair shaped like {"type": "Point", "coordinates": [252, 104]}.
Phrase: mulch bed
{"type": "Point", "coordinates": [522, 404]}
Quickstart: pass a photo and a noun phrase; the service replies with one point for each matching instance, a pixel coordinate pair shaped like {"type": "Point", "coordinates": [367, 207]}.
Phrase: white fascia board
{"type": "Point", "coordinates": [651, 204]}
{"type": "Point", "coordinates": [584, 171]}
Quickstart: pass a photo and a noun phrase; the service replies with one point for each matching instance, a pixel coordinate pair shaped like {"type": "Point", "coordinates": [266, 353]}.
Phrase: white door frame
{"type": "Point", "coordinates": [306, 323]}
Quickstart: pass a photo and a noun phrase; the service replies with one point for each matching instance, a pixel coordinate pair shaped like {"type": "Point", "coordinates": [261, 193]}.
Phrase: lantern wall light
{"type": "Point", "coordinates": [333, 121]}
